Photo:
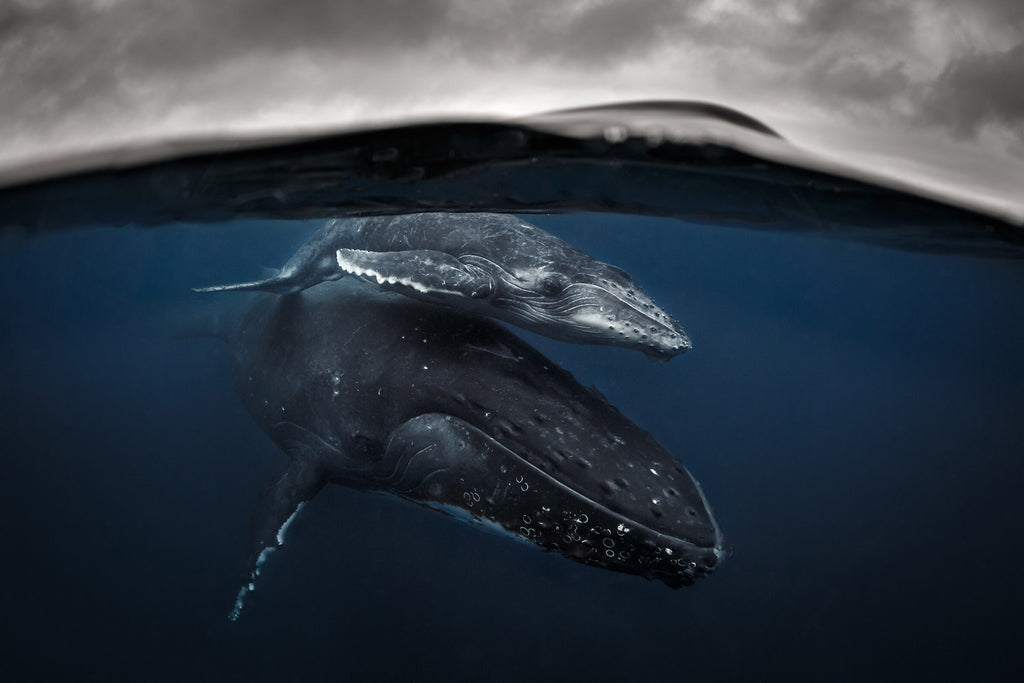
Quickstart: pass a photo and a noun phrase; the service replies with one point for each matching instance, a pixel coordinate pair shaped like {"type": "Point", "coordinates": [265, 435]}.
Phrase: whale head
{"type": "Point", "coordinates": [517, 444]}
{"type": "Point", "coordinates": [582, 300]}
{"type": "Point", "coordinates": [642, 514]}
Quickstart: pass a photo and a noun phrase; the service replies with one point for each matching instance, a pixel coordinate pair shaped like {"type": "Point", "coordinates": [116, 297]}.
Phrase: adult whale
{"type": "Point", "coordinates": [378, 392]}
{"type": "Point", "coordinates": [494, 265]}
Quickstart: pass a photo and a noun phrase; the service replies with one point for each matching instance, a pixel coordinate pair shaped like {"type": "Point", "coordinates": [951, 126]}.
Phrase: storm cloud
{"type": "Point", "coordinates": [978, 90]}
{"type": "Point", "coordinates": [82, 74]}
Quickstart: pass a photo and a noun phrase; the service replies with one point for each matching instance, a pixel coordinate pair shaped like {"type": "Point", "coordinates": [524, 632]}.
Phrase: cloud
{"type": "Point", "coordinates": [79, 73]}
{"type": "Point", "coordinates": [978, 90]}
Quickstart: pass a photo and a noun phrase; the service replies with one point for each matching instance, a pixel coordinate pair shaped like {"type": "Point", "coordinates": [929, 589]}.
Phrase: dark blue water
{"type": "Point", "coordinates": [854, 415]}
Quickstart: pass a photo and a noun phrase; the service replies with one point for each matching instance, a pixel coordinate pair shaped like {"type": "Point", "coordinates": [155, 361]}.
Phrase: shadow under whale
{"type": "Point", "coordinates": [375, 391]}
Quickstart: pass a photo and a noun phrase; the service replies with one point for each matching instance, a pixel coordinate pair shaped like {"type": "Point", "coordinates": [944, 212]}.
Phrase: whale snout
{"type": "Point", "coordinates": [627, 318]}
{"type": "Point", "coordinates": [662, 342]}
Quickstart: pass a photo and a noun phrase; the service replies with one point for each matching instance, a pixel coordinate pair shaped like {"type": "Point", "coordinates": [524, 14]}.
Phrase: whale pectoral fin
{"type": "Point", "coordinates": [416, 271]}
{"type": "Point", "coordinates": [280, 500]}
{"type": "Point", "coordinates": [443, 461]}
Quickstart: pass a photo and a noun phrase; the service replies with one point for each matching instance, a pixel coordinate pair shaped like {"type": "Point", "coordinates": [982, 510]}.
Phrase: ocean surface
{"type": "Point", "coordinates": [853, 413]}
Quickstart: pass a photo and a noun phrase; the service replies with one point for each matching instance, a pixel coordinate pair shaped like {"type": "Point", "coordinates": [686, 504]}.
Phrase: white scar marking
{"type": "Point", "coordinates": [239, 603]}
{"type": "Point", "coordinates": [284, 527]}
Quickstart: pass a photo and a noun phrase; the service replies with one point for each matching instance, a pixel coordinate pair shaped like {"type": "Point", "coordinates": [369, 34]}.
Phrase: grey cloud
{"type": "Point", "coordinates": [978, 90]}
{"type": "Point", "coordinates": [68, 64]}
{"type": "Point", "coordinates": [880, 21]}
{"type": "Point", "coordinates": [74, 67]}
{"type": "Point", "coordinates": [592, 35]}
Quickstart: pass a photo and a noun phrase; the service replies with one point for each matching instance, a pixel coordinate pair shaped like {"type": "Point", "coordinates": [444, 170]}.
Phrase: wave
{"type": "Point", "coordinates": [696, 161]}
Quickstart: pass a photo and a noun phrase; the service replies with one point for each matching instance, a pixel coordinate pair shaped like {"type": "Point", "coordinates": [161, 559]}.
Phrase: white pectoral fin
{"type": "Point", "coordinates": [277, 506]}
{"type": "Point", "coordinates": [416, 271]}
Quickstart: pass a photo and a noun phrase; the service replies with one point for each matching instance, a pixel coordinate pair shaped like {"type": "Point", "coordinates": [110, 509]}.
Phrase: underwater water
{"type": "Point", "coordinates": [852, 412]}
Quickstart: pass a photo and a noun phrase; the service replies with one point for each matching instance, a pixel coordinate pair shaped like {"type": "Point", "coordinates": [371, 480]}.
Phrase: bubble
{"type": "Point", "coordinates": [668, 551]}
{"type": "Point", "coordinates": [609, 543]}
{"type": "Point", "coordinates": [609, 553]}
{"type": "Point", "coordinates": [582, 519]}
{"type": "Point", "coordinates": [526, 519]}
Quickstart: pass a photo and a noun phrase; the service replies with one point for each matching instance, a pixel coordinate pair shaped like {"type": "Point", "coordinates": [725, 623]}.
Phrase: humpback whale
{"type": "Point", "coordinates": [493, 265]}
{"type": "Point", "coordinates": [377, 392]}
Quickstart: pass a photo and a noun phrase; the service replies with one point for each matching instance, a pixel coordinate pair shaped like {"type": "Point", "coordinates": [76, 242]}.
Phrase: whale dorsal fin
{"type": "Point", "coordinates": [416, 272]}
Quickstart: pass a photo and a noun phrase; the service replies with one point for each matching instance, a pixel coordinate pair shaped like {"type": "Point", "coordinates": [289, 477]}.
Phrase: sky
{"type": "Point", "coordinates": [900, 85]}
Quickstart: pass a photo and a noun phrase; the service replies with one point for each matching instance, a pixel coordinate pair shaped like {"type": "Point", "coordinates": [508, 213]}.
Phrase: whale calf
{"type": "Point", "coordinates": [494, 265]}
{"type": "Point", "coordinates": [375, 391]}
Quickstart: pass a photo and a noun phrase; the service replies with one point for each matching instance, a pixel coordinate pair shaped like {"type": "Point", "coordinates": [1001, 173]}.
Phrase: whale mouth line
{"type": "Point", "coordinates": [653, 534]}
{"type": "Point", "coordinates": [572, 312]}
{"type": "Point", "coordinates": [575, 291]}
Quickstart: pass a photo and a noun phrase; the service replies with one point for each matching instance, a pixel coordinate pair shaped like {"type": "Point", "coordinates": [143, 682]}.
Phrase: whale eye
{"type": "Point", "coordinates": [484, 290]}
{"type": "Point", "coordinates": [553, 284]}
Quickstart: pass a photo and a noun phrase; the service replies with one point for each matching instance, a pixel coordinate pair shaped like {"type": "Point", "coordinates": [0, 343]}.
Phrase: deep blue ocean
{"type": "Point", "coordinates": [853, 413]}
